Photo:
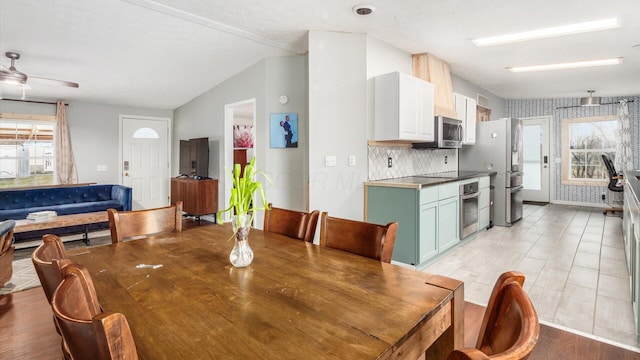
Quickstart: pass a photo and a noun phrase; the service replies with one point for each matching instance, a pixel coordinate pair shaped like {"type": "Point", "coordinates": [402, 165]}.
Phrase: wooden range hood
{"type": "Point", "coordinates": [436, 71]}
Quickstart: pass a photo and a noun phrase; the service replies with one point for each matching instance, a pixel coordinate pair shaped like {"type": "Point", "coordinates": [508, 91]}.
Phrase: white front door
{"type": "Point", "coordinates": [145, 160]}
{"type": "Point", "coordinates": [536, 159]}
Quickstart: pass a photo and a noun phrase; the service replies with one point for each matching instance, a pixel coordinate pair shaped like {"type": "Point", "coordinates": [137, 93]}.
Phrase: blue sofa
{"type": "Point", "coordinates": [17, 204]}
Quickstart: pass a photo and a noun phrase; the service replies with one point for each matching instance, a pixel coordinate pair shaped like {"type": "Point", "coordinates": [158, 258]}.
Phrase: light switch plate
{"type": "Point", "coordinates": [102, 167]}
{"type": "Point", "coordinates": [330, 160]}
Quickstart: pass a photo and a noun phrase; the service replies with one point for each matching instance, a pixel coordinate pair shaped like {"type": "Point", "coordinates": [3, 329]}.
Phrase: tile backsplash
{"type": "Point", "coordinates": [408, 162]}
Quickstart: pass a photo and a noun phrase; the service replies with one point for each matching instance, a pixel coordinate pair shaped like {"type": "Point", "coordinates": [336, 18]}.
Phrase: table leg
{"type": "Point", "coordinates": [85, 235]}
{"type": "Point", "coordinates": [453, 338]}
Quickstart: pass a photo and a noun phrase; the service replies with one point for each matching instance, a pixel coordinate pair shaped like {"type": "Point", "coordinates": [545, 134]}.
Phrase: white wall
{"type": "Point", "coordinates": [94, 130]}
{"type": "Point", "coordinates": [337, 122]}
{"type": "Point", "coordinates": [265, 82]}
{"type": "Point", "coordinates": [287, 167]}
{"type": "Point", "coordinates": [95, 137]}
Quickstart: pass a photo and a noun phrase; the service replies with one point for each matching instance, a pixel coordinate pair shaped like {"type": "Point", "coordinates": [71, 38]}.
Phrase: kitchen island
{"type": "Point", "coordinates": [431, 211]}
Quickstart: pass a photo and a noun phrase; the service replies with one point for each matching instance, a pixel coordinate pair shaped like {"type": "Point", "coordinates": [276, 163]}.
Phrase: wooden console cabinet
{"type": "Point", "coordinates": [199, 197]}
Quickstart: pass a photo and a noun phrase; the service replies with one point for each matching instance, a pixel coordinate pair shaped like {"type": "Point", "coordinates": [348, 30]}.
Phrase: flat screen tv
{"type": "Point", "coordinates": [194, 157]}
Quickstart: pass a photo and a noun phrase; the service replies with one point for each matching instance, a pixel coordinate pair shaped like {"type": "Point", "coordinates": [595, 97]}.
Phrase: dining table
{"type": "Point", "coordinates": [184, 300]}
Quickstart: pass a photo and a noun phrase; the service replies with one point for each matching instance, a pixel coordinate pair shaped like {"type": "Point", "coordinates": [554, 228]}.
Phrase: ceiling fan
{"type": "Point", "coordinates": [14, 77]}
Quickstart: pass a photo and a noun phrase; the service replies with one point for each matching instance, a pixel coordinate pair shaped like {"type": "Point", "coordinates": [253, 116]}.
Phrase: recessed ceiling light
{"type": "Point", "coordinates": [569, 65]}
{"type": "Point", "coordinates": [363, 9]}
{"type": "Point", "coordinates": [548, 32]}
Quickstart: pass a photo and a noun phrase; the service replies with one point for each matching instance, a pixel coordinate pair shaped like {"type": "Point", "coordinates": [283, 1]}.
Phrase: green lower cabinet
{"type": "Point", "coordinates": [427, 226]}
{"type": "Point", "coordinates": [387, 204]}
{"type": "Point", "coordinates": [428, 231]}
{"type": "Point", "coordinates": [448, 223]}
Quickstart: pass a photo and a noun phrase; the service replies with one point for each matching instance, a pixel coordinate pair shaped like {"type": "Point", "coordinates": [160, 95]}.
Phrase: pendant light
{"type": "Point", "coordinates": [591, 100]}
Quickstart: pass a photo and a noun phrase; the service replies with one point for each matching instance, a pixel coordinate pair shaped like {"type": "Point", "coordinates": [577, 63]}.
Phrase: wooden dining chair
{"type": "Point", "coordinates": [357, 237]}
{"type": "Point", "coordinates": [126, 224]}
{"type": "Point", "coordinates": [510, 327]}
{"type": "Point", "coordinates": [48, 260]}
{"type": "Point", "coordinates": [6, 250]}
{"type": "Point", "coordinates": [296, 224]}
{"type": "Point", "coordinates": [89, 332]}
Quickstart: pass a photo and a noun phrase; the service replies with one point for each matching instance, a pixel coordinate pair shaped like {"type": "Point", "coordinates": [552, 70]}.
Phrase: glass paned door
{"type": "Point", "coordinates": [532, 157]}
{"type": "Point", "coordinates": [536, 159]}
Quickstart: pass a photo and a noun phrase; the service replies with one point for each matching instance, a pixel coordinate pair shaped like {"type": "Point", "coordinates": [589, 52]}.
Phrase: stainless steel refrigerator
{"type": "Point", "coordinates": [498, 148]}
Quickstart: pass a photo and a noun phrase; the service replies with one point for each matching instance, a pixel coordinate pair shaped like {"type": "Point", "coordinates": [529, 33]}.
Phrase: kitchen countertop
{"type": "Point", "coordinates": [420, 181]}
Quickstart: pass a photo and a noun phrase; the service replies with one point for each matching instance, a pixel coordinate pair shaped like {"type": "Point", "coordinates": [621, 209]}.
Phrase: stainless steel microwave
{"type": "Point", "coordinates": [447, 134]}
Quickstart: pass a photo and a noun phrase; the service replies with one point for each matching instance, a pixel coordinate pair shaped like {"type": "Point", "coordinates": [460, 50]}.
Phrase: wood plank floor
{"type": "Point", "coordinates": [27, 332]}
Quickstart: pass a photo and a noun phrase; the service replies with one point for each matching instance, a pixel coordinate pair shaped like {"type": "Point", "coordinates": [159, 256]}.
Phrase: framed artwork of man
{"type": "Point", "coordinates": [283, 130]}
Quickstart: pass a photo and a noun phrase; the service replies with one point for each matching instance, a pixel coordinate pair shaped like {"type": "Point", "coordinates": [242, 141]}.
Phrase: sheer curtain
{"type": "Point", "coordinates": [65, 165]}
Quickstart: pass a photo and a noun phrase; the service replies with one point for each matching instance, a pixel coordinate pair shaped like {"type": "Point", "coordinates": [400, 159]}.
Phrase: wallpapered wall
{"type": "Point", "coordinates": [545, 107]}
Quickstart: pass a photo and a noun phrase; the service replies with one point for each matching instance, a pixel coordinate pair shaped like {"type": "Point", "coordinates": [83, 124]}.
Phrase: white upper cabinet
{"type": "Point", "coordinates": [403, 108]}
{"type": "Point", "coordinates": [466, 109]}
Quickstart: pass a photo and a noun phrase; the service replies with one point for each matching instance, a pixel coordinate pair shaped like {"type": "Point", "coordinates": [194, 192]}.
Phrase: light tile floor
{"type": "Point", "coordinates": [574, 262]}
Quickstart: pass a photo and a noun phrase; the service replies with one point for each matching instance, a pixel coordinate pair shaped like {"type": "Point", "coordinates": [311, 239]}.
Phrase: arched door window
{"type": "Point", "coordinates": [145, 133]}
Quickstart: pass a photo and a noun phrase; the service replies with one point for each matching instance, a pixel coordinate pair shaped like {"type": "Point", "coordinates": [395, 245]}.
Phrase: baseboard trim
{"type": "Point", "coordinates": [575, 203]}
{"type": "Point", "coordinates": [541, 203]}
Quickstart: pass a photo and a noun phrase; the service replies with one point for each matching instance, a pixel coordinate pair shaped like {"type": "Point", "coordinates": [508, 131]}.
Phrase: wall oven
{"type": "Point", "coordinates": [468, 209]}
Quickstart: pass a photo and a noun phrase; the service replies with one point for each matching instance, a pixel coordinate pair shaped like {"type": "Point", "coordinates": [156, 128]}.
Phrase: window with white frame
{"type": "Point", "coordinates": [27, 153]}
{"type": "Point", "coordinates": [584, 140]}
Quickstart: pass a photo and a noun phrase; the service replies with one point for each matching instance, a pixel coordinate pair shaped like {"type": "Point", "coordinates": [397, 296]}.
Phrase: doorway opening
{"type": "Point", "coordinates": [239, 141]}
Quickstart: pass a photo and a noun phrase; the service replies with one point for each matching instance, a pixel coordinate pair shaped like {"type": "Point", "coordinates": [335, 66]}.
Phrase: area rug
{"type": "Point", "coordinates": [24, 277]}
{"type": "Point", "coordinates": [24, 274]}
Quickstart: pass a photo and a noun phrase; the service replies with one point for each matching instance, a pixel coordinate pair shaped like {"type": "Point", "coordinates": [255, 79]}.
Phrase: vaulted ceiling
{"type": "Point", "coordinates": [163, 53]}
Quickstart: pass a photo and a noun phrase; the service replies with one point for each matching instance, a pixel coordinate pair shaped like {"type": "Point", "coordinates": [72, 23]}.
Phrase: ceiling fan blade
{"type": "Point", "coordinates": [54, 82]}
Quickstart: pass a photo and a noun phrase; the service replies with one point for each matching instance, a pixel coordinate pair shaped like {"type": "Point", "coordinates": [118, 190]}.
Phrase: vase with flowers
{"type": "Point", "coordinates": [242, 206]}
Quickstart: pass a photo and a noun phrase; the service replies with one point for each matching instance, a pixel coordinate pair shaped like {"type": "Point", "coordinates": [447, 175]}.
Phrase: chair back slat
{"type": "Point", "coordinates": [127, 224]}
{"type": "Point", "coordinates": [6, 235]}
{"type": "Point", "coordinates": [504, 279]}
{"type": "Point", "coordinates": [296, 224]}
{"type": "Point", "coordinates": [48, 260]}
{"type": "Point", "coordinates": [513, 325]}
{"type": "Point", "coordinates": [614, 177]}
{"type": "Point", "coordinates": [510, 327]}
{"type": "Point", "coordinates": [6, 250]}
{"type": "Point", "coordinates": [357, 237]}
{"type": "Point", "coordinates": [88, 332]}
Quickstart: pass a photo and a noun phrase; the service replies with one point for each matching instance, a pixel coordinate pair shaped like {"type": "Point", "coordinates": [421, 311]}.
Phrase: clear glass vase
{"type": "Point", "coordinates": [241, 254]}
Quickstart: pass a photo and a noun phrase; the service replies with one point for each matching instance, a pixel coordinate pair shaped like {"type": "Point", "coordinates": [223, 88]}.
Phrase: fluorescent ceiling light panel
{"type": "Point", "coordinates": [548, 32]}
{"type": "Point", "coordinates": [569, 65]}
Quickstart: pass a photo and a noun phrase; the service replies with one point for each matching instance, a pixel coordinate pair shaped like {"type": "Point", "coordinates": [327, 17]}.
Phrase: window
{"type": "Point", "coordinates": [145, 133]}
{"type": "Point", "coordinates": [27, 153]}
{"type": "Point", "coordinates": [584, 140]}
